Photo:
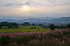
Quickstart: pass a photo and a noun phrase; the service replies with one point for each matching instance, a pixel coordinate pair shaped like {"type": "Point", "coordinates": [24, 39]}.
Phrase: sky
{"type": "Point", "coordinates": [35, 8]}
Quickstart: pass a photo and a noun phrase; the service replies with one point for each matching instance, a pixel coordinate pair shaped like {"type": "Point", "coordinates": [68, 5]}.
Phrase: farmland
{"type": "Point", "coordinates": [34, 36]}
{"type": "Point", "coordinates": [23, 29]}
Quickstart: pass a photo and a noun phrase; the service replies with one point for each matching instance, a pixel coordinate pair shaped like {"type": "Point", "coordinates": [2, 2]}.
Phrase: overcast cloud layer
{"type": "Point", "coordinates": [36, 8]}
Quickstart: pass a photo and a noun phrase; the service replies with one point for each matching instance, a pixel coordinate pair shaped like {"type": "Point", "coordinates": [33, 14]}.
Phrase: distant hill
{"type": "Point", "coordinates": [39, 20]}
{"type": "Point", "coordinates": [2, 20]}
{"type": "Point", "coordinates": [64, 19]}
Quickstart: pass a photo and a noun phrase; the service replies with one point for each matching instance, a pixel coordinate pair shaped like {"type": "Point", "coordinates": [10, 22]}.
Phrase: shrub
{"type": "Point", "coordinates": [68, 26]}
{"type": "Point", "coordinates": [9, 26]}
{"type": "Point", "coordinates": [62, 27]}
{"type": "Point", "coordinates": [5, 40]}
{"type": "Point", "coordinates": [33, 24]}
{"type": "Point", "coordinates": [59, 27]}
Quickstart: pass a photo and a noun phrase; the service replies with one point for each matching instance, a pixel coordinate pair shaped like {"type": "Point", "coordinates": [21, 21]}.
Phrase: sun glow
{"type": "Point", "coordinates": [25, 8]}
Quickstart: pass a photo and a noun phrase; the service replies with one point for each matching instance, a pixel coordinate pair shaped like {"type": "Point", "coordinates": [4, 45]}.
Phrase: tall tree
{"type": "Point", "coordinates": [52, 26]}
{"type": "Point", "coordinates": [0, 26]}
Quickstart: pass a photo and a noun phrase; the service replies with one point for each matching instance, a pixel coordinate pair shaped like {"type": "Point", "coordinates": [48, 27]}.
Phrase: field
{"type": "Point", "coordinates": [58, 37]}
{"type": "Point", "coordinates": [23, 29]}
{"type": "Point", "coordinates": [24, 36]}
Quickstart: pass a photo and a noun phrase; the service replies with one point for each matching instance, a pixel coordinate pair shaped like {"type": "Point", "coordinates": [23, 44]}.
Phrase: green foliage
{"type": "Point", "coordinates": [64, 32]}
{"type": "Point", "coordinates": [68, 26]}
{"type": "Point", "coordinates": [52, 26]}
{"type": "Point", "coordinates": [26, 24]}
{"type": "Point", "coordinates": [63, 26]}
{"type": "Point", "coordinates": [68, 32]}
{"type": "Point", "coordinates": [16, 26]}
{"type": "Point", "coordinates": [5, 40]}
{"type": "Point", "coordinates": [7, 23]}
{"type": "Point", "coordinates": [22, 39]}
{"type": "Point", "coordinates": [35, 38]}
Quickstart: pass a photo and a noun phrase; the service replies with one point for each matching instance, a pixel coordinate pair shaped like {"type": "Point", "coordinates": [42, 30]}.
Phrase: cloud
{"type": "Point", "coordinates": [27, 3]}
{"type": "Point", "coordinates": [63, 4]}
{"type": "Point", "coordinates": [54, 4]}
{"type": "Point", "coordinates": [11, 4]}
{"type": "Point", "coordinates": [35, 7]}
{"type": "Point", "coordinates": [60, 4]}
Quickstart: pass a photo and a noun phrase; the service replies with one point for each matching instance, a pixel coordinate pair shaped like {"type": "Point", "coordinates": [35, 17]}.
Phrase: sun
{"type": "Point", "coordinates": [25, 7]}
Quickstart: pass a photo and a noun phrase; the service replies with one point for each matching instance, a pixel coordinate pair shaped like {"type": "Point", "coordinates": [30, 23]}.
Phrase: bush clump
{"type": "Point", "coordinates": [0, 26]}
{"type": "Point", "coordinates": [9, 26]}
{"type": "Point", "coordinates": [33, 28]}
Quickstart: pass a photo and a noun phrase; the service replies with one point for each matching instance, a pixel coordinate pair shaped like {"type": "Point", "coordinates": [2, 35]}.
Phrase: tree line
{"type": "Point", "coordinates": [9, 24]}
{"type": "Point", "coordinates": [52, 26]}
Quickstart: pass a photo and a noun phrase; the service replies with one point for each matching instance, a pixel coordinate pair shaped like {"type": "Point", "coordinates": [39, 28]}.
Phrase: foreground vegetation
{"type": "Point", "coordinates": [34, 35]}
{"type": "Point", "coordinates": [58, 37]}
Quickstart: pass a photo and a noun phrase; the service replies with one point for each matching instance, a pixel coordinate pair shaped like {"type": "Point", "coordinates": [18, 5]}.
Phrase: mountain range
{"type": "Point", "coordinates": [39, 20]}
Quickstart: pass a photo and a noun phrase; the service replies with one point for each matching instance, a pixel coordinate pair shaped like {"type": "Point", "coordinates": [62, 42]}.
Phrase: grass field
{"type": "Point", "coordinates": [23, 29]}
